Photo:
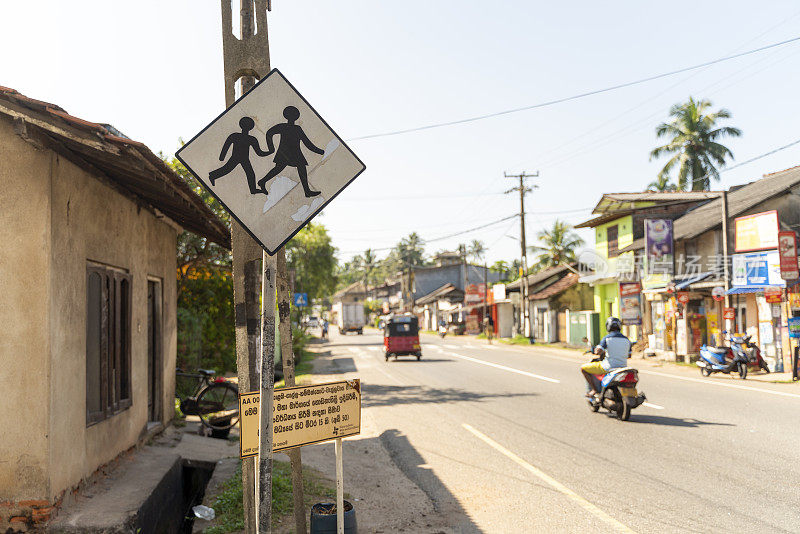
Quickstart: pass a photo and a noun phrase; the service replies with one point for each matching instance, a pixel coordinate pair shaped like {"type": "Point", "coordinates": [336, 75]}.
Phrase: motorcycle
{"type": "Point", "coordinates": [723, 360]}
{"type": "Point", "coordinates": [442, 331]}
{"type": "Point", "coordinates": [617, 390]}
{"type": "Point", "coordinates": [754, 359]}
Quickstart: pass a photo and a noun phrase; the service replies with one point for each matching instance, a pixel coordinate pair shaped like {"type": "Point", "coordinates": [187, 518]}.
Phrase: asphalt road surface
{"type": "Point", "coordinates": [501, 440]}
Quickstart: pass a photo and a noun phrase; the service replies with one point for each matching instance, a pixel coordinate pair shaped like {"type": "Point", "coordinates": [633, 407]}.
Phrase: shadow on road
{"type": "Point", "coordinates": [408, 460]}
{"type": "Point", "coordinates": [673, 421]}
{"type": "Point", "coordinates": [382, 395]}
{"type": "Point", "coordinates": [412, 359]}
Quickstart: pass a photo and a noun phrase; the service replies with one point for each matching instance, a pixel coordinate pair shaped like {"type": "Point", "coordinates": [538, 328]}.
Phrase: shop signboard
{"type": "Point", "coordinates": [499, 292]}
{"type": "Point", "coordinates": [630, 310]}
{"type": "Point", "coordinates": [683, 297]}
{"type": "Point", "coordinates": [475, 293]}
{"type": "Point", "coordinates": [773, 294]}
{"type": "Point", "coordinates": [757, 232]}
{"type": "Point", "coordinates": [794, 327]}
{"type": "Point", "coordinates": [659, 252]}
{"type": "Point", "coordinates": [787, 248]}
{"type": "Point", "coordinates": [757, 269]}
{"type": "Point", "coordinates": [794, 300]}
{"type": "Point", "coordinates": [729, 314]}
{"type": "Point", "coordinates": [718, 293]}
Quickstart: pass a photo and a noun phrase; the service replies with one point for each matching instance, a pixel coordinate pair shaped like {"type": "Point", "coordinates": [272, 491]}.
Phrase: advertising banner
{"type": "Point", "coordinates": [729, 314]}
{"type": "Point", "coordinates": [630, 310]}
{"type": "Point", "coordinates": [659, 253]}
{"type": "Point", "coordinates": [794, 327]}
{"type": "Point", "coordinates": [773, 295]}
{"type": "Point", "coordinates": [756, 232]}
{"type": "Point", "coordinates": [787, 249]}
{"type": "Point", "coordinates": [757, 269]}
{"type": "Point", "coordinates": [475, 293]}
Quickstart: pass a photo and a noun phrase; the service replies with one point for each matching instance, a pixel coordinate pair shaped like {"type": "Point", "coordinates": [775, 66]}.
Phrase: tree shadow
{"type": "Point", "coordinates": [408, 460]}
{"type": "Point", "coordinates": [384, 395]}
{"type": "Point", "coordinates": [413, 359]}
{"type": "Point", "coordinates": [673, 421]}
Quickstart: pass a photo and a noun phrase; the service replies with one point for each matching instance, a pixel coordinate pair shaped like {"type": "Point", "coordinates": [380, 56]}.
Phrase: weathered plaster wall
{"type": "Point", "coordinates": [91, 221]}
{"type": "Point", "coordinates": [24, 290]}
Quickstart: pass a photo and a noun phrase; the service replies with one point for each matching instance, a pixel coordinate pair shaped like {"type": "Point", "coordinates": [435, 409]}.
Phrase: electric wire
{"type": "Point", "coordinates": [577, 96]}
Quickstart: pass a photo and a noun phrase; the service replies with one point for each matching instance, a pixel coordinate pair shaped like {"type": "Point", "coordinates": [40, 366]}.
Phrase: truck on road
{"type": "Point", "coordinates": [349, 317]}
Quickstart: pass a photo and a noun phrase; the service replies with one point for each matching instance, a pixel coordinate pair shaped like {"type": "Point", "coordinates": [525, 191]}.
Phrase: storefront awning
{"type": "Point", "coordinates": [697, 278]}
{"type": "Point", "coordinates": [750, 289]}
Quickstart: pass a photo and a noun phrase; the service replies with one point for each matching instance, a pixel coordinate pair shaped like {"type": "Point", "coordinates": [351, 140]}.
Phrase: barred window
{"type": "Point", "coordinates": [108, 342]}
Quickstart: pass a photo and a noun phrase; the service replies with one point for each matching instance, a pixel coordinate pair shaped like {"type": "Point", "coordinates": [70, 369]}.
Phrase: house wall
{"type": "Point", "coordinates": [91, 221]}
{"type": "Point", "coordinates": [55, 217]}
{"type": "Point", "coordinates": [24, 340]}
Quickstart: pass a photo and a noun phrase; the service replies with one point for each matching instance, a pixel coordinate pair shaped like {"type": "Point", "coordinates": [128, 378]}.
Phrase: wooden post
{"type": "Point", "coordinates": [264, 479]}
{"type": "Point", "coordinates": [288, 360]}
{"type": "Point", "coordinates": [339, 488]}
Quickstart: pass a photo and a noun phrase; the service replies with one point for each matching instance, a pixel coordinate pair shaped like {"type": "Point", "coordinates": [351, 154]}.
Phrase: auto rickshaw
{"type": "Point", "coordinates": [401, 337]}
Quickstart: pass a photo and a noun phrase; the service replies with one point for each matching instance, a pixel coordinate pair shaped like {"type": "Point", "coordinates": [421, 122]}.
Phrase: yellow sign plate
{"type": "Point", "coordinates": [303, 415]}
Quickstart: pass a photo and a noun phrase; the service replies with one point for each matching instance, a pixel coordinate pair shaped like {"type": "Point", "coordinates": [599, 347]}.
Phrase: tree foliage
{"type": "Point", "coordinates": [313, 257]}
{"type": "Point", "coordinates": [693, 143]}
{"type": "Point", "coordinates": [557, 245]}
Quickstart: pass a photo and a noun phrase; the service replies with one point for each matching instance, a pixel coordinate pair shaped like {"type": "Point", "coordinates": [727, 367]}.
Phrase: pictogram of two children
{"type": "Point", "coordinates": [289, 153]}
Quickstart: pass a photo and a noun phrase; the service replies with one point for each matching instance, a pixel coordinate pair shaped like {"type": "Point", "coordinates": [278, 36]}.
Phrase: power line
{"type": "Point", "coordinates": [575, 97]}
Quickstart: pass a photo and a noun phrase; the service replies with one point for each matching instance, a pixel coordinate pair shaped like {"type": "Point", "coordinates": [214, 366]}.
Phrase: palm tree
{"type": "Point", "coordinates": [694, 144]}
{"type": "Point", "coordinates": [556, 245]}
{"type": "Point", "coordinates": [476, 249]}
{"type": "Point", "coordinates": [368, 265]}
{"type": "Point", "coordinates": [662, 184]}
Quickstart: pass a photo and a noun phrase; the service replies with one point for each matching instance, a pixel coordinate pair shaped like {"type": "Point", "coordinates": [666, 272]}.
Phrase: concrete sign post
{"type": "Point", "coordinates": [271, 161]}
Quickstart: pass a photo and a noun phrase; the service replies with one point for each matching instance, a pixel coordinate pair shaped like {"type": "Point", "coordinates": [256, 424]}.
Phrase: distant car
{"type": "Point", "coordinates": [312, 322]}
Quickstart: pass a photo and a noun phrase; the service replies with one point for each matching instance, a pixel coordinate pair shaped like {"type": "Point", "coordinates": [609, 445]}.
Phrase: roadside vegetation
{"type": "Point", "coordinates": [228, 504]}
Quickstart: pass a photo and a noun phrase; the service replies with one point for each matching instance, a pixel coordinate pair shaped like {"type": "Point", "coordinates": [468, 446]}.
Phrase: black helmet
{"type": "Point", "coordinates": [613, 324]}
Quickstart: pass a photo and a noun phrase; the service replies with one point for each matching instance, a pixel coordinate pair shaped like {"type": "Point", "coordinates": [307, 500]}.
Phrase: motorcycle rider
{"type": "Point", "coordinates": [617, 348]}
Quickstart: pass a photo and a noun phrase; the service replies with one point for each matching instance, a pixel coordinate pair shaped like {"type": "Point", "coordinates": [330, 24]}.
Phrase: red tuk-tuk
{"type": "Point", "coordinates": [401, 336]}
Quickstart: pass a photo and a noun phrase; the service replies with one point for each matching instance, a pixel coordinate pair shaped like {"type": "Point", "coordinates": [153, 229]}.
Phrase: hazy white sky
{"type": "Point", "coordinates": [154, 70]}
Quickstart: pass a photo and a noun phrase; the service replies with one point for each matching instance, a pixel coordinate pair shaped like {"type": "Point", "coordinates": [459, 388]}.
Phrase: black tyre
{"type": "Point", "coordinates": [625, 412]}
{"type": "Point", "coordinates": [743, 371]}
{"type": "Point", "coordinates": [218, 406]}
{"type": "Point", "coordinates": [705, 371]}
{"type": "Point", "coordinates": [594, 407]}
{"type": "Point", "coordinates": [387, 356]}
{"type": "Point", "coordinates": [419, 356]}
{"type": "Point", "coordinates": [764, 366]}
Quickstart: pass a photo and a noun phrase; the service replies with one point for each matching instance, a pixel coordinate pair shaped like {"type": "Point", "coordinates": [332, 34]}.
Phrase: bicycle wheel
{"type": "Point", "coordinates": [218, 406]}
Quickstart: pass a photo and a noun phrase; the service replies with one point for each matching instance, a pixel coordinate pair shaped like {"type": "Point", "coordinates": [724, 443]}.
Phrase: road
{"type": "Point", "coordinates": [500, 438]}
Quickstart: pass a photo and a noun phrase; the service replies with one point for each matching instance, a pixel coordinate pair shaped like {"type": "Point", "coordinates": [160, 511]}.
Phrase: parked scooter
{"type": "Point", "coordinates": [723, 360]}
{"type": "Point", "coordinates": [754, 359]}
{"type": "Point", "coordinates": [617, 390]}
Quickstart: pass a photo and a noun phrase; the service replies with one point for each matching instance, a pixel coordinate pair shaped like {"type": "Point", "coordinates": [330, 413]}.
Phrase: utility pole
{"type": "Point", "coordinates": [247, 59]}
{"type": "Point", "coordinates": [522, 188]}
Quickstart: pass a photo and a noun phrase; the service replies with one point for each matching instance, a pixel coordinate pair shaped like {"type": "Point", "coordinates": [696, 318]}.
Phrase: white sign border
{"type": "Point", "coordinates": [308, 219]}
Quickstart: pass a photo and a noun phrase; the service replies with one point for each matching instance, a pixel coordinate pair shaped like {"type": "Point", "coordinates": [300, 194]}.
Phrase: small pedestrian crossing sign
{"type": "Point", "coordinates": [301, 300]}
{"type": "Point", "coordinates": [271, 161]}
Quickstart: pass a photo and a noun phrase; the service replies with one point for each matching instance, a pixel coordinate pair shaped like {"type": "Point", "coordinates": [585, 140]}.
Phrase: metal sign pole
{"type": "Point", "coordinates": [264, 479]}
{"type": "Point", "coordinates": [339, 488]}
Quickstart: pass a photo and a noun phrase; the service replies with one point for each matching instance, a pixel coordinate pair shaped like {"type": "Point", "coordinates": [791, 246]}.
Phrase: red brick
{"type": "Point", "coordinates": [34, 504]}
{"type": "Point", "coordinates": [41, 515]}
{"type": "Point", "coordinates": [18, 519]}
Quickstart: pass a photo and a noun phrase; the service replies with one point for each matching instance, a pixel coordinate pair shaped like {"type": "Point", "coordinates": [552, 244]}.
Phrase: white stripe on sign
{"type": "Point", "coordinates": [651, 405]}
{"type": "Point", "coordinates": [504, 368]}
{"type": "Point", "coordinates": [555, 484]}
{"type": "Point", "coordinates": [723, 384]}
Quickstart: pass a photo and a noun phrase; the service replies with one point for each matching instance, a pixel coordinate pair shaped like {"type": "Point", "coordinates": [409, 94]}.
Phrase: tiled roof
{"type": "Point", "coordinates": [557, 287]}
{"type": "Point", "coordinates": [126, 165]}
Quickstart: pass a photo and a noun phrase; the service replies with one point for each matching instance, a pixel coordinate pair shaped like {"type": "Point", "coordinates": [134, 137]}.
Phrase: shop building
{"type": "Point", "coordinates": [687, 309]}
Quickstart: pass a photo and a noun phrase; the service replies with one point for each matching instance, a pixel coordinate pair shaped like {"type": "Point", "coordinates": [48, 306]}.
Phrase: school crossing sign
{"type": "Point", "coordinates": [271, 161]}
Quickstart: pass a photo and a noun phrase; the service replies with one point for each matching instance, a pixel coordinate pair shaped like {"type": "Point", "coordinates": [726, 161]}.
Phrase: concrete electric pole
{"type": "Point", "coordinates": [523, 189]}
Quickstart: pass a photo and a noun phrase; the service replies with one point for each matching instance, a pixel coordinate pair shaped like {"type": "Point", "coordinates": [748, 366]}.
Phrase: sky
{"type": "Point", "coordinates": [154, 70]}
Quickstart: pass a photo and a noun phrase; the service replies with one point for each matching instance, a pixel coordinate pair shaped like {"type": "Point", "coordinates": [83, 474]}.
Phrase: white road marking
{"type": "Point", "coordinates": [451, 347]}
{"type": "Point", "coordinates": [504, 368]}
{"type": "Point", "coordinates": [651, 405]}
{"type": "Point", "coordinates": [723, 384]}
{"type": "Point", "coordinates": [373, 347]}
{"type": "Point", "coordinates": [580, 501]}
